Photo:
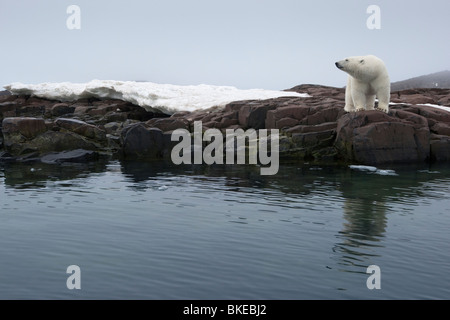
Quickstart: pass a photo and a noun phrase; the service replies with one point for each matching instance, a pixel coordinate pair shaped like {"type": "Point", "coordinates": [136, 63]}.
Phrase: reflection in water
{"type": "Point", "coordinates": [365, 211]}
{"type": "Point", "coordinates": [364, 226]}
{"type": "Point", "coordinates": [366, 198]}
{"type": "Point", "coordinates": [36, 175]}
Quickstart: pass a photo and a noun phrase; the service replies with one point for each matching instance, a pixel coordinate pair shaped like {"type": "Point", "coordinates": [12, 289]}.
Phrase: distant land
{"type": "Point", "coordinates": [433, 80]}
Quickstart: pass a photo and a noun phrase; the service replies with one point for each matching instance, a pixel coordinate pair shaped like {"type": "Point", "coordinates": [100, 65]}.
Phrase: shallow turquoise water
{"type": "Point", "coordinates": [153, 231]}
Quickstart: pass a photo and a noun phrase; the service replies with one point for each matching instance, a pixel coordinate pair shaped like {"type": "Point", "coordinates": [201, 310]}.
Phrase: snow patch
{"type": "Point", "coordinates": [396, 103]}
{"type": "Point", "coordinates": [436, 106]}
{"type": "Point", "coordinates": [166, 98]}
{"type": "Point", "coordinates": [423, 104]}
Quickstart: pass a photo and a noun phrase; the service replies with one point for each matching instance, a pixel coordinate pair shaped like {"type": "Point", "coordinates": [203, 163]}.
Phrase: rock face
{"type": "Point", "coordinates": [314, 129]}
{"type": "Point", "coordinates": [372, 137]}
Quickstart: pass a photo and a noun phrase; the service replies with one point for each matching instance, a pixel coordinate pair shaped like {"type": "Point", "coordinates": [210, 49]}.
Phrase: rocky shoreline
{"type": "Point", "coordinates": [314, 129]}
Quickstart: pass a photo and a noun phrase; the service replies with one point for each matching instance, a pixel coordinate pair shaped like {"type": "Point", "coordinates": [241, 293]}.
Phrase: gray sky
{"type": "Point", "coordinates": [274, 44]}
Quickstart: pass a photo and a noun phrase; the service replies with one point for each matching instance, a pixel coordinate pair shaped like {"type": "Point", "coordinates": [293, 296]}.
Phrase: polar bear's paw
{"type": "Point", "coordinates": [360, 109]}
{"type": "Point", "coordinates": [385, 110]}
{"type": "Point", "coordinates": [349, 109]}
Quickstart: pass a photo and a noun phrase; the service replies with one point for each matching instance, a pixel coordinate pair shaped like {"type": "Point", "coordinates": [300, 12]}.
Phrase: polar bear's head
{"type": "Point", "coordinates": [360, 67]}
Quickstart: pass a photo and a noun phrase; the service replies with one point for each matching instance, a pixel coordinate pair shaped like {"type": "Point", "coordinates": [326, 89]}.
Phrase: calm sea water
{"type": "Point", "coordinates": [153, 231]}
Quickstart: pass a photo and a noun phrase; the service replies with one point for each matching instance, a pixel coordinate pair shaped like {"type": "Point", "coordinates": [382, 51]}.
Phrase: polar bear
{"type": "Point", "coordinates": [368, 78]}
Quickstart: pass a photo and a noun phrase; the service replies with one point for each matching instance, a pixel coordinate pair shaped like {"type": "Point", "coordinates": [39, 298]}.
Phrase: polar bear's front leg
{"type": "Point", "coordinates": [349, 106]}
{"type": "Point", "coordinates": [383, 99]}
{"type": "Point", "coordinates": [370, 102]}
{"type": "Point", "coordinates": [359, 100]}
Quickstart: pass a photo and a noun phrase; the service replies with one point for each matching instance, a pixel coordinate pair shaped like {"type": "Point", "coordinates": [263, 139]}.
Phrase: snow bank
{"type": "Point", "coordinates": [163, 97]}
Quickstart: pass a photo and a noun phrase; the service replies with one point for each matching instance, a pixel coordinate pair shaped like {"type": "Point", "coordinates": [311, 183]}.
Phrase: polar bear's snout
{"type": "Point", "coordinates": [338, 65]}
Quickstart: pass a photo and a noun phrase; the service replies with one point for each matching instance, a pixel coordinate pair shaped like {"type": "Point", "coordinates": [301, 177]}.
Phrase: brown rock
{"type": "Point", "coordinates": [115, 116]}
{"type": "Point", "coordinates": [7, 109]}
{"type": "Point", "coordinates": [8, 97]}
{"type": "Point", "coordinates": [312, 128]}
{"type": "Point", "coordinates": [441, 128]}
{"type": "Point", "coordinates": [38, 101]}
{"type": "Point", "coordinates": [32, 110]}
{"type": "Point", "coordinates": [417, 99]}
{"type": "Point", "coordinates": [434, 113]}
{"type": "Point", "coordinates": [253, 115]}
{"type": "Point", "coordinates": [320, 115]}
{"type": "Point", "coordinates": [27, 127]}
{"type": "Point", "coordinates": [139, 113]}
{"type": "Point", "coordinates": [112, 127]}
{"type": "Point", "coordinates": [411, 117]}
{"type": "Point", "coordinates": [228, 122]}
{"type": "Point", "coordinates": [210, 124]}
{"type": "Point", "coordinates": [102, 109]}
{"type": "Point", "coordinates": [208, 117]}
{"type": "Point", "coordinates": [139, 141]}
{"type": "Point", "coordinates": [60, 109]}
{"type": "Point", "coordinates": [444, 101]}
{"type": "Point", "coordinates": [235, 106]}
{"type": "Point", "coordinates": [314, 140]}
{"type": "Point", "coordinates": [286, 123]}
{"type": "Point", "coordinates": [82, 128]}
{"type": "Point", "coordinates": [294, 112]}
{"type": "Point", "coordinates": [440, 147]}
{"type": "Point", "coordinates": [229, 115]}
{"type": "Point", "coordinates": [168, 124]}
{"type": "Point", "coordinates": [79, 110]}
{"type": "Point", "coordinates": [51, 141]}
{"type": "Point", "coordinates": [372, 137]}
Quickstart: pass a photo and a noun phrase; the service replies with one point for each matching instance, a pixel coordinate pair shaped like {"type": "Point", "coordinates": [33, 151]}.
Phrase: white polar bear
{"type": "Point", "coordinates": [368, 78]}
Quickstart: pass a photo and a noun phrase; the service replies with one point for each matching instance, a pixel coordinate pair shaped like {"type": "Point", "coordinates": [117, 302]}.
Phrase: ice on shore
{"type": "Point", "coordinates": [375, 170]}
{"type": "Point", "coordinates": [166, 98]}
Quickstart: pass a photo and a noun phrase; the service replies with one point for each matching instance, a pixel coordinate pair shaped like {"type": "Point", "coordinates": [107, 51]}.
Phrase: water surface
{"type": "Point", "coordinates": [154, 231]}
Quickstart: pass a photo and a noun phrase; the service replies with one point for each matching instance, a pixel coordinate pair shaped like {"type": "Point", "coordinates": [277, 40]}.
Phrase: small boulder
{"type": "Point", "coordinates": [138, 141]}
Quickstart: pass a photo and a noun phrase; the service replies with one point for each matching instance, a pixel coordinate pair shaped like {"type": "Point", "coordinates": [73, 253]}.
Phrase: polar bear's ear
{"type": "Point", "coordinates": [361, 61]}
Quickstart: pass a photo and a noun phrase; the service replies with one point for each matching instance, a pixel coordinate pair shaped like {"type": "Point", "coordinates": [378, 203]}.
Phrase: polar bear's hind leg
{"type": "Point", "coordinates": [349, 106]}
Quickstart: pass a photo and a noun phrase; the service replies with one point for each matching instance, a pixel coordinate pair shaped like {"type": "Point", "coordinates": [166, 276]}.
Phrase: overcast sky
{"type": "Point", "coordinates": [274, 44]}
